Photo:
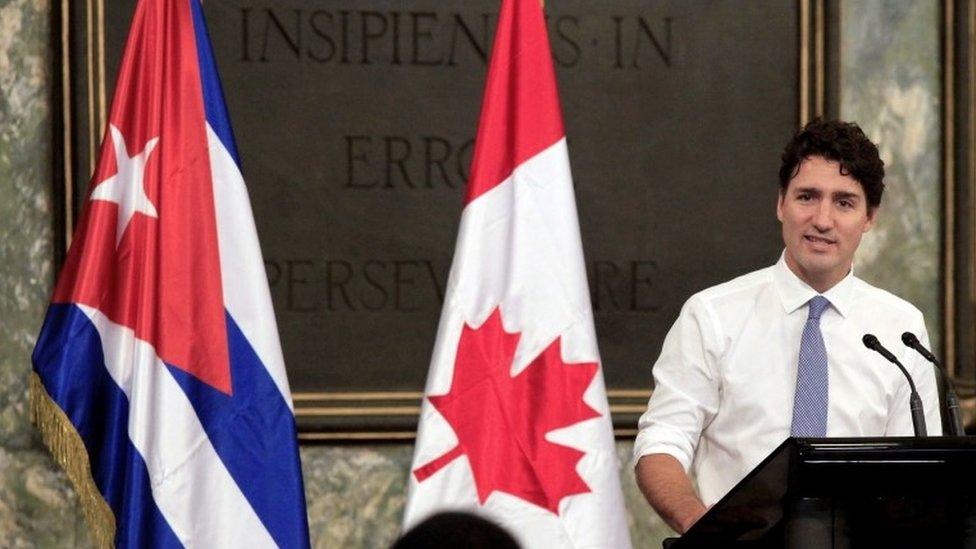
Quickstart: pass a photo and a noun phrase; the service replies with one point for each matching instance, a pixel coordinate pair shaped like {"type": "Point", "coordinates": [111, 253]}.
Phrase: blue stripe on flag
{"type": "Point", "coordinates": [253, 432]}
{"type": "Point", "coordinates": [254, 435]}
{"type": "Point", "coordinates": [213, 94]}
{"type": "Point", "coordinates": [69, 360]}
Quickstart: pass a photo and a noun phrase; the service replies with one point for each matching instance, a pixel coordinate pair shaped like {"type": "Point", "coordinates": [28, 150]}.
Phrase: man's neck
{"type": "Point", "coordinates": [821, 284]}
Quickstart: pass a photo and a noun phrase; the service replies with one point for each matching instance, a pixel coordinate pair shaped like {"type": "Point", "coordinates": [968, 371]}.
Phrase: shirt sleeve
{"type": "Point", "coordinates": [686, 387]}
{"type": "Point", "coordinates": [923, 373]}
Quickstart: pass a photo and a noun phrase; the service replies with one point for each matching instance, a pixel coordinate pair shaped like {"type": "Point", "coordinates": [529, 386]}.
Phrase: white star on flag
{"type": "Point", "coordinates": [125, 188]}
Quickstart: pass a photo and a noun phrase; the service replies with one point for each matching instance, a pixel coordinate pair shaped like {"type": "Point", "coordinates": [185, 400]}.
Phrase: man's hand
{"type": "Point", "coordinates": [668, 489]}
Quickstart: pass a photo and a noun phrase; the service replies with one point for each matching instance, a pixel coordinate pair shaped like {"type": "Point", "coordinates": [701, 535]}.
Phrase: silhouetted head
{"type": "Point", "coordinates": [456, 529]}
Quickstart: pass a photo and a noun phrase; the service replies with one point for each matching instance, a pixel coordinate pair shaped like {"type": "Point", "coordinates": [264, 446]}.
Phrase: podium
{"type": "Point", "coordinates": [849, 492]}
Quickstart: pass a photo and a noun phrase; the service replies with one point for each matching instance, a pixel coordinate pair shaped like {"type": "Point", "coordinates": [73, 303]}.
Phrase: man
{"type": "Point", "coordinates": [778, 352]}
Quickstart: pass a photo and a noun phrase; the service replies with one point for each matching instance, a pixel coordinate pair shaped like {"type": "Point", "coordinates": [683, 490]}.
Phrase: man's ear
{"type": "Point", "coordinates": [780, 196]}
{"type": "Point", "coordinates": [872, 216]}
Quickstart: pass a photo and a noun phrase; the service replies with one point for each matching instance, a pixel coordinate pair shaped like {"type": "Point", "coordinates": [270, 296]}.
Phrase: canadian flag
{"type": "Point", "coordinates": [515, 424]}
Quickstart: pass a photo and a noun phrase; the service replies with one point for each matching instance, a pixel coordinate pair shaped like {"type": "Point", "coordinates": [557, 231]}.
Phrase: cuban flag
{"type": "Point", "coordinates": [159, 380]}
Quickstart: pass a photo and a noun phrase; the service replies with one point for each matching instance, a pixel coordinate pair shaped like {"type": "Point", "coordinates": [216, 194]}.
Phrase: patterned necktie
{"type": "Point", "coordinates": [811, 396]}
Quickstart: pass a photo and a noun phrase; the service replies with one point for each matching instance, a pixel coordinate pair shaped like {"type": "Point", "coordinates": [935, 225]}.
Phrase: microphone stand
{"type": "Point", "coordinates": [915, 401]}
{"type": "Point", "coordinates": [951, 400]}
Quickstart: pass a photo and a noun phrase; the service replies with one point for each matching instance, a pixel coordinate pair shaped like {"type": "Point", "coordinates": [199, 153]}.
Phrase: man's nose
{"type": "Point", "coordinates": [823, 219]}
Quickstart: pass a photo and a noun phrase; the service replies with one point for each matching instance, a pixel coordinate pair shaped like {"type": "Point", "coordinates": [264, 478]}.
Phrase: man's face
{"type": "Point", "coordinates": [824, 215]}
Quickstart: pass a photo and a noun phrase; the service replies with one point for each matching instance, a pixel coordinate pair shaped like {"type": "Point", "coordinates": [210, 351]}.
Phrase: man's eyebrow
{"type": "Point", "coordinates": [846, 194]}
{"type": "Point", "coordinates": [810, 190]}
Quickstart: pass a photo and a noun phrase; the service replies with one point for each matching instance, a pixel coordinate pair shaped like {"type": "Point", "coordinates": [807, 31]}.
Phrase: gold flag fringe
{"type": "Point", "coordinates": [69, 451]}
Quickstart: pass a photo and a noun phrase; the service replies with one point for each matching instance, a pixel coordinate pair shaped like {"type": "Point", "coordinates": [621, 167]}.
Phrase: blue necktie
{"type": "Point", "coordinates": [811, 396]}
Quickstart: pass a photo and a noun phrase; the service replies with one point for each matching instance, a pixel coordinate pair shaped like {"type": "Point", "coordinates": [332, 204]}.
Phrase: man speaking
{"type": "Point", "coordinates": [778, 352]}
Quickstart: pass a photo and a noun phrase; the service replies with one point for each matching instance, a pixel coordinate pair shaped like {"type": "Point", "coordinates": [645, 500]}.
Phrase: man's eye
{"type": "Point", "coordinates": [846, 204]}
{"type": "Point", "coordinates": [803, 197]}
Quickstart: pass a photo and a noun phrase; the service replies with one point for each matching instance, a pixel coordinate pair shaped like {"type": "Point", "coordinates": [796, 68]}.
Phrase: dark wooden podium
{"type": "Point", "coordinates": [850, 492]}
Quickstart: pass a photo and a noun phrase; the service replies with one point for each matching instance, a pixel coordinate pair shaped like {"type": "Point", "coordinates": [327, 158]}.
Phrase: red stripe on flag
{"type": "Point", "coordinates": [162, 279]}
{"type": "Point", "coordinates": [520, 114]}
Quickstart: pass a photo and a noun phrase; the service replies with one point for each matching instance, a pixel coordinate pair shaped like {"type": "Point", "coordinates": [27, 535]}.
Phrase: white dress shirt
{"type": "Point", "coordinates": [724, 383]}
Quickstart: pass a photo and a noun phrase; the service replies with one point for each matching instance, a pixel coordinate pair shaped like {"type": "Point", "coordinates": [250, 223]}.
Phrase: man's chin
{"type": "Point", "coordinates": [817, 266]}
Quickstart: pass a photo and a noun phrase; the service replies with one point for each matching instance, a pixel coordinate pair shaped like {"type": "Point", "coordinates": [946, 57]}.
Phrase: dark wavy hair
{"type": "Point", "coordinates": [842, 142]}
{"type": "Point", "coordinates": [451, 529]}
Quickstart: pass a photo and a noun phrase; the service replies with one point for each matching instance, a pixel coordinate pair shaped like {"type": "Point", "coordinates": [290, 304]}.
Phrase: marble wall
{"type": "Point", "coordinates": [355, 494]}
{"type": "Point", "coordinates": [37, 507]}
{"type": "Point", "coordinates": [890, 84]}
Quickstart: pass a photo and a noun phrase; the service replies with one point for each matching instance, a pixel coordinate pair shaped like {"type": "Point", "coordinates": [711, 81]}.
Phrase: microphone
{"type": "Point", "coordinates": [915, 401]}
{"type": "Point", "coordinates": [952, 401]}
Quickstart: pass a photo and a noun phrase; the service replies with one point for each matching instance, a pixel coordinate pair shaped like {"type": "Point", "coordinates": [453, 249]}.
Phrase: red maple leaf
{"type": "Point", "coordinates": [501, 421]}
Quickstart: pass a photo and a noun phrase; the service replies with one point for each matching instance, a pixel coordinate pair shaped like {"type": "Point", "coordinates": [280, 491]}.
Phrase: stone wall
{"type": "Point", "coordinates": [356, 493]}
{"type": "Point", "coordinates": [37, 507]}
{"type": "Point", "coordinates": [891, 85]}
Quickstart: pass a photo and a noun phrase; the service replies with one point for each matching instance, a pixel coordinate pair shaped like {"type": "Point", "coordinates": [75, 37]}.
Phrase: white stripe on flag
{"type": "Point", "coordinates": [190, 485]}
{"type": "Point", "coordinates": [245, 283]}
{"type": "Point", "coordinates": [519, 246]}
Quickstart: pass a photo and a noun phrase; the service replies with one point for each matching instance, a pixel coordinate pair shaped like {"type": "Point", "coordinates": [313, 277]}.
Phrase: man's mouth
{"type": "Point", "coordinates": [818, 239]}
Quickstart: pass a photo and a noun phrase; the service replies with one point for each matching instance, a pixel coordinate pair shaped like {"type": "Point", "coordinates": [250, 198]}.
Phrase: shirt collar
{"type": "Point", "coordinates": [795, 293]}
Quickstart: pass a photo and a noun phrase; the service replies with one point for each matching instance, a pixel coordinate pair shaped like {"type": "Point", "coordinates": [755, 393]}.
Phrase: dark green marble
{"type": "Point", "coordinates": [37, 506]}
{"type": "Point", "coordinates": [355, 494]}
{"type": "Point", "coordinates": [891, 86]}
